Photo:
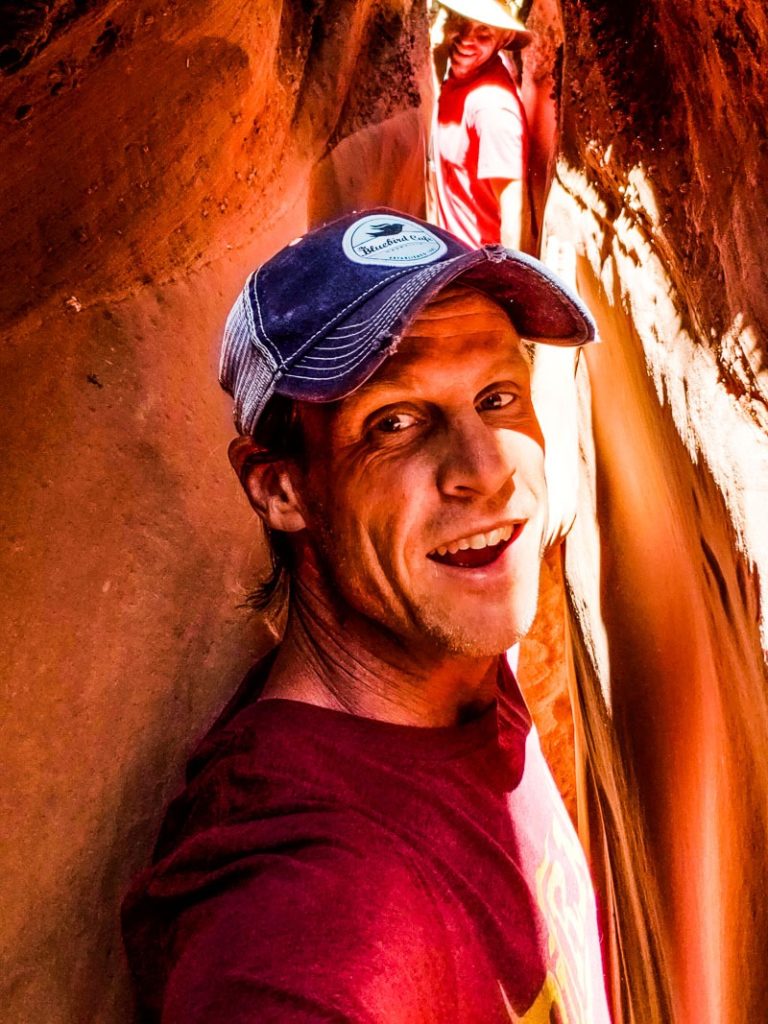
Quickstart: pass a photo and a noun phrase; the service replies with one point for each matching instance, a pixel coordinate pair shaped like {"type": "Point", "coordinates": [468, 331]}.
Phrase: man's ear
{"type": "Point", "coordinates": [268, 486]}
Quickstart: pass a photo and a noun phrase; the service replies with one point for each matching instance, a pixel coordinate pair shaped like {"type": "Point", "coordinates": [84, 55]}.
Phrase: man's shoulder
{"type": "Point", "coordinates": [272, 795]}
{"type": "Point", "coordinates": [293, 900]}
{"type": "Point", "coordinates": [493, 89]}
{"type": "Point", "coordinates": [266, 770]}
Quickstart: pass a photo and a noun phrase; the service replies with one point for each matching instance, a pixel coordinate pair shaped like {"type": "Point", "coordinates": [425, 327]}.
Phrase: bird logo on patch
{"type": "Point", "coordinates": [384, 230]}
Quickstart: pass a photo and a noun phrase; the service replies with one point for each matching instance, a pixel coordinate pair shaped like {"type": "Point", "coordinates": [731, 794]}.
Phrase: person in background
{"type": "Point", "coordinates": [480, 134]}
{"type": "Point", "coordinates": [479, 189]}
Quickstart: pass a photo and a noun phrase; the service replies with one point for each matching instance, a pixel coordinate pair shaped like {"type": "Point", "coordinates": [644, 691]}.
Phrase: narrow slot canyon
{"type": "Point", "coordinates": [152, 155]}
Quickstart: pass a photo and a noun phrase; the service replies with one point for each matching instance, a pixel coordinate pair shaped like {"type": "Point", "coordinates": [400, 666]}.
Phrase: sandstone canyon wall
{"type": "Point", "coordinates": [659, 180]}
{"type": "Point", "coordinates": [151, 153]}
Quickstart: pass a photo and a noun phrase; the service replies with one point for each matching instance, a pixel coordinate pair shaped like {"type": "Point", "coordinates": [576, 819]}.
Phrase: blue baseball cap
{"type": "Point", "coordinates": [316, 320]}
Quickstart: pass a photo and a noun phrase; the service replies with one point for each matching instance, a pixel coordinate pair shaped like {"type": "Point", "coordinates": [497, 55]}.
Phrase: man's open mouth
{"type": "Point", "coordinates": [478, 549]}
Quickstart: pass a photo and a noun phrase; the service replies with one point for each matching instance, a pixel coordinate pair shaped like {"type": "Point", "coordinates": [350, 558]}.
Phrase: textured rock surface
{"type": "Point", "coordinates": [158, 150]}
{"type": "Point", "coordinates": [546, 679]}
{"type": "Point", "coordinates": [660, 182]}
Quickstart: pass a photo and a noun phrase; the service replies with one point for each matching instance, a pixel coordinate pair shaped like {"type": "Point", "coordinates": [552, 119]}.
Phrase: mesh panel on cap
{"type": "Point", "coordinates": [247, 371]}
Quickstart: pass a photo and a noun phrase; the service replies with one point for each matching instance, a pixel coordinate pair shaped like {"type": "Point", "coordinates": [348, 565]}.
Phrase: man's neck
{"type": "Point", "coordinates": [334, 658]}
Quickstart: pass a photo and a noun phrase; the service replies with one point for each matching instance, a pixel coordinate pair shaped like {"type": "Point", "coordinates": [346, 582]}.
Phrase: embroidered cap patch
{"type": "Point", "coordinates": [388, 241]}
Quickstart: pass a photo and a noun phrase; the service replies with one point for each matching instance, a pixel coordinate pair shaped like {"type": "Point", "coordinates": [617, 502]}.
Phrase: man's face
{"type": "Point", "coordinates": [424, 492]}
{"type": "Point", "coordinates": [471, 43]}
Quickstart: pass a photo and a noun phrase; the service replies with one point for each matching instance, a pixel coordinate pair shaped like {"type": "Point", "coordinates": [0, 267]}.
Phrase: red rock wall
{"type": "Point", "coordinates": [659, 180]}
{"type": "Point", "coordinates": [151, 154]}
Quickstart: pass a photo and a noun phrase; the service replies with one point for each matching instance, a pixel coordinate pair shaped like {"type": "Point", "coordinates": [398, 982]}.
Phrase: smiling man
{"type": "Point", "coordinates": [370, 833]}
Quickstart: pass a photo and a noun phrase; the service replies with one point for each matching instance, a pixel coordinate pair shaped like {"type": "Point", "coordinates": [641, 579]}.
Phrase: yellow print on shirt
{"type": "Point", "coordinates": [564, 901]}
{"type": "Point", "coordinates": [563, 894]}
{"type": "Point", "coordinates": [547, 1008]}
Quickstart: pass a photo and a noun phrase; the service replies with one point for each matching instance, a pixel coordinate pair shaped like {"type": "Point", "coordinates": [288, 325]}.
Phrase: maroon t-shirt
{"type": "Point", "coordinates": [320, 866]}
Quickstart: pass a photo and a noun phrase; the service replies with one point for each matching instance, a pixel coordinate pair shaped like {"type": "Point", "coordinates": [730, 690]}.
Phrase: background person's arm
{"type": "Point", "coordinates": [512, 197]}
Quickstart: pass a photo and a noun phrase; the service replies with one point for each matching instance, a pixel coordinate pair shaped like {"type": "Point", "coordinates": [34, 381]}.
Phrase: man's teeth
{"type": "Point", "coordinates": [477, 541]}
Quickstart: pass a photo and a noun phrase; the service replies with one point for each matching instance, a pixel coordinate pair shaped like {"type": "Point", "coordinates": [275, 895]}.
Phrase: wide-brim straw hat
{"type": "Point", "coordinates": [497, 14]}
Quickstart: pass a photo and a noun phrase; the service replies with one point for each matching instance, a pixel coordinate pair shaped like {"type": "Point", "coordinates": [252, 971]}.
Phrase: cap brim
{"type": "Point", "coordinates": [539, 306]}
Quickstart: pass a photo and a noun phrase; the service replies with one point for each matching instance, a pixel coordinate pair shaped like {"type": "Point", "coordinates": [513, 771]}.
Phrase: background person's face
{"type": "Point", "coordinates": [471, 44]}
{"type": "Point", "coordinates": [425, 497]}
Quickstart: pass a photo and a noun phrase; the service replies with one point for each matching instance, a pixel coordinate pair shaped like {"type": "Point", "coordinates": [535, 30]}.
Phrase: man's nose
{"type": "Point", "coordinates": [476, 459]}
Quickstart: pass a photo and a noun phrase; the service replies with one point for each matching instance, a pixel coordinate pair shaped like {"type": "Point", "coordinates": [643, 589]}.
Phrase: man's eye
{"type": "Point", "coordinates": [395, 422]}
{"type": "Point", "coordinates": [496, 400]}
